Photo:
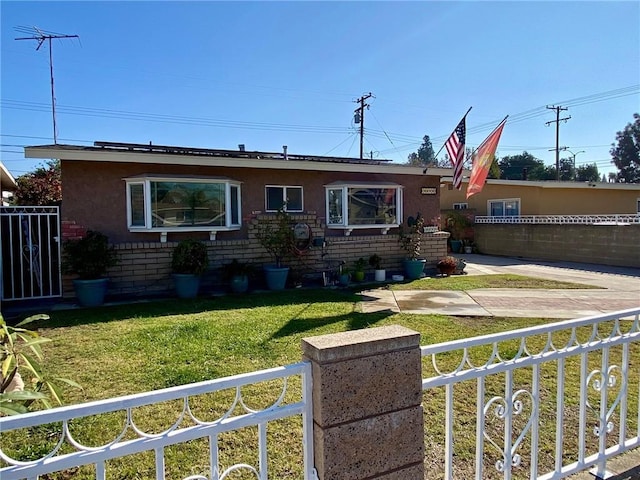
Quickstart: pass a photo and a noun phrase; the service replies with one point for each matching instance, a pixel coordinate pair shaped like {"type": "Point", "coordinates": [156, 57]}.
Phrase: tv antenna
{"type": "Point", "coordinates": [41, 36]}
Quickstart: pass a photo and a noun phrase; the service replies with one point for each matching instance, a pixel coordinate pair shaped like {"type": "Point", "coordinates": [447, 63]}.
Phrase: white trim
{"type": "Point", "coordinates": [504, 200]}
{"type": "Point", "coordinates": [284, 197]}
{"type": "Point", "coordinates": [638, 205]}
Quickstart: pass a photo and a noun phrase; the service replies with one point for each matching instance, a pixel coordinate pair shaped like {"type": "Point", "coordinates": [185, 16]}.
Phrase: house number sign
{"type": "Point", "coordinates": [428, 190]}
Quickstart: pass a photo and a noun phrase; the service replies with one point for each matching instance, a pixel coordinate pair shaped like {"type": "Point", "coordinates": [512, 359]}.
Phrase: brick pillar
{"type": "Point", "coordinates": [367, 413]}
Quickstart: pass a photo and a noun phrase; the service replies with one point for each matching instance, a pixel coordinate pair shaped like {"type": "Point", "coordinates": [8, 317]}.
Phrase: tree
{"type": "Point", "coordinates": [425, 155]}
{"type": "Point", "coordinates": [589, 173]}
{"type": "Point", "coordinates": [523, 166]}
{"type": "Point", "coordinates": [43, 186]}
{"type": "Point", "coordinates": [626, 154]}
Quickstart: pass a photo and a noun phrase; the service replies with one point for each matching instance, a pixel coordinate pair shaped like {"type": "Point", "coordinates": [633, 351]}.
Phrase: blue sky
{"type": "Point", "coordinates": [268, 74]}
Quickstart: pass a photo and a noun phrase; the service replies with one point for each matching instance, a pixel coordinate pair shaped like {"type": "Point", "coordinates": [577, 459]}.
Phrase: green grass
{"type": "Point", "coordinates": [472, 282]}
{"type": "Point", "coordinates": [140, 347]}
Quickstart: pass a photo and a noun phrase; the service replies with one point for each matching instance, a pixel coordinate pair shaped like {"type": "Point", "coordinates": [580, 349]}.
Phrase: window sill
{"type": "Point", "coordinates": [165, 231]}
{"type": "Point", "coordinates": [384, 229]}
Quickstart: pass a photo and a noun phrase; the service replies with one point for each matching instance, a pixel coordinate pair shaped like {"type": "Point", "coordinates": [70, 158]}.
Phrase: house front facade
{"type": "Point", "coordinates": [519, 197]}
{"type": "Point", "coordinates": [147, 197]}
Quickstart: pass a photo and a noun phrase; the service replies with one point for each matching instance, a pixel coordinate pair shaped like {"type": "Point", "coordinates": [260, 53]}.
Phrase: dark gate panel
{"type": "Point", "coordinates": [30, 252]}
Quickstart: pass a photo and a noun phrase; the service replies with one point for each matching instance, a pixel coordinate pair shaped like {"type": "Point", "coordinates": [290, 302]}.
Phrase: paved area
{"type": "Point", "coordinates": [619, 290]}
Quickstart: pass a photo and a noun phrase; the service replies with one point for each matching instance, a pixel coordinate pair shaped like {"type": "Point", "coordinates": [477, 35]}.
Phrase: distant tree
{"type": "Point", "coordinates": [494, 169]}
{"type": "Point", "coordinates": [518, 167]}
{"type": "Point", "coordinates": [588, 173]}
{"type": "Point", "coordinates": [613, 177]}
{"type": "Point", "coordinates": [604, 178]}
{"type": "Point", "coordinates": [43, 186]}
{"type": "Point", "coordinates": [425, 155]}
{"type": "Point", "coordinates": [626, 154]}
{"type": "Point", "coordinates": [567, 170]}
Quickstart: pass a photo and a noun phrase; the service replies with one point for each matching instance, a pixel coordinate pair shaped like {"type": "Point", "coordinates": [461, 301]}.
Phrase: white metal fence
{"type": "Point", "coordinates": [292, 398]}
{"type": "Point", "coordinates": [566, 391]}
{"type": "Point", "coordinates": [622, 219]}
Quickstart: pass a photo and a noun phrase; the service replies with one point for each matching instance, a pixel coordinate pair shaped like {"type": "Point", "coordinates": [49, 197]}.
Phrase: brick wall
{"type": "Point", "coordinates": [145, 267]}
{"type": "Point", "coordinates": [600, 244]}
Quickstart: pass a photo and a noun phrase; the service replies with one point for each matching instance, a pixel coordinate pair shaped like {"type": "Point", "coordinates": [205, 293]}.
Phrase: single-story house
{"type": "Point", "coordinates": [7, 184]}
{"type": "Point", "coordinates": [519, 197]}
{"type": "Point", "coordinates": [146, 197]}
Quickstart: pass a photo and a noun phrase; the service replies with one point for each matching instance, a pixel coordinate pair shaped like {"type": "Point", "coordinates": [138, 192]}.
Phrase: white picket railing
{"type": "Point", "coordinates": [514, 408]}
{"type": "Point", "coordinates": [621, 219]}
{"type": "Point", "coordinates": [187, 426]}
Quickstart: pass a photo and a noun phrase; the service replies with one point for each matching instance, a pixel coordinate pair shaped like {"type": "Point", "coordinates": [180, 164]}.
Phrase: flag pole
{"type": "Point", "coordinates": [488, 136]}
{"type": "Point", "coordinates": [465, 116]}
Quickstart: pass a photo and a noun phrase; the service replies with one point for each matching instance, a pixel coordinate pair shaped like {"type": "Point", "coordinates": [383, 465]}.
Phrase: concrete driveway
{"type": "Point", "coordinates": [619, 289]}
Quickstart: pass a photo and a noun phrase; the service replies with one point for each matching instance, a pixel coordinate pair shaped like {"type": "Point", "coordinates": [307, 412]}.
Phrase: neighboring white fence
{"type": "Point", "coordinates": [524, 401]}
{"type": "Point", "coordinates": [69, 452]}
{"type": "Point", "coordinates": [623, 219]}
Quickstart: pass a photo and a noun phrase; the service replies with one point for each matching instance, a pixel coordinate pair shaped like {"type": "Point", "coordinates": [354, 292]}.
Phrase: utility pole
{"type": "Point", "coordinates": [359, 118]}
{"type": "Point", "coordinates": [557, 121]}
{"type": "Point", "coordinates": [41, 36]}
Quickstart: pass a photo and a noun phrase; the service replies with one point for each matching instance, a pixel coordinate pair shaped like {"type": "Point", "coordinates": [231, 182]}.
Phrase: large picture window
{"type": "Point", "coordinates": [352, 206]}
{"type": "Point", "coordinates": [509, 207]}
{"type": "Point", "coordinates": [182, 204]}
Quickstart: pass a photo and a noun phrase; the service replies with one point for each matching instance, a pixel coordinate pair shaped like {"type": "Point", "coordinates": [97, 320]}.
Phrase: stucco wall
{"type": "Point", "coordinates": [575, 199]}
{"type": "Point", "coordinates": [94, 194]}
{"type": "Point", "coordinates": [600, 244]}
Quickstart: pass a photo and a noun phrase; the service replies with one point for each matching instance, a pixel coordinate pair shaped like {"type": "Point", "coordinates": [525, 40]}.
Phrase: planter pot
{"type": "Point", "coordinates": [345, 279]}
{"type": "Point", "coordinates": [380, 275]}
{"type": "Point", "coordinates": [414, 269]}
{"type": "Point", "coordinates": [446, 269]}
{"type": "Point", "coordinates": [186, 285]}
{"type": "Point", "coordinates": [358, 276]}
{"type": "Point", "coordinates": [239, 283]}
{"type": "Point", "coordinates": [90, 293]}
{"type": "Point", "coordinates": [456, 246]}
{"type": "Point", "coordinates": [276, 277]}
{"type": "Point", "coordinates": [468, 249]}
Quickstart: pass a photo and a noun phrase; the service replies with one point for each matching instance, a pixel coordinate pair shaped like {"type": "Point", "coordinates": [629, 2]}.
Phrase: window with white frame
{"type": "Point", "coordinates": [277, 196]}
{"type": "Point", "coordinates": [508, 207]}
{"type": "Point", "coordinates": [460, 206]}
{"type": "Point", "coordinates": [352, 205]}
{"type": "Point", "coordinates": [182, 203]}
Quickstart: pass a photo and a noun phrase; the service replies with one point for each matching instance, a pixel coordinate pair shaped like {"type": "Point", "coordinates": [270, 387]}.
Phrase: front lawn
{"type": "Point", "coordinates": [134, 348]}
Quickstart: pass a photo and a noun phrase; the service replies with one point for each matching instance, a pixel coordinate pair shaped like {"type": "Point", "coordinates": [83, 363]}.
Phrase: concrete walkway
{"type": "Point", "coordinates": [620, 289]}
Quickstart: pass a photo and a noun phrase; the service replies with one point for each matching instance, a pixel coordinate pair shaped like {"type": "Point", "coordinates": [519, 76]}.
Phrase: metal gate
{"type": "Point", "coordinates": [30, 253]}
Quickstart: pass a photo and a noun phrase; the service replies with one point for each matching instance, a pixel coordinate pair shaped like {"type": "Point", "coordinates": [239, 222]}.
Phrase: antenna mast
{"type": "Point", "coordinates": [41, 36]}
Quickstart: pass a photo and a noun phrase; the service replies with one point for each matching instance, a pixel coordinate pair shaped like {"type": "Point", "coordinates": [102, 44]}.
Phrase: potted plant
{"type": "Point", "coordinates": [237, 274]}
{"type": "Point", "coordinates": [358, 269]}
{"type": "Point", "coordinates": [410, 238]}
{"type": "Point", "coordinates": [278, 239]}
{"type": "Point", "coordinates": [456, 224]}
{"type": "Point", "coordinates": [467, 245]}
{"type": "Point", "coordinates": [89, 257]}
{"type": "Point", "coordinates": [447, 265]}
{"type": "Point", "coordinates": [380, 274]}
{"type": "Point", "coordinates": [345, 276]}
{"type": "Point", "coordinates": [189, 260]}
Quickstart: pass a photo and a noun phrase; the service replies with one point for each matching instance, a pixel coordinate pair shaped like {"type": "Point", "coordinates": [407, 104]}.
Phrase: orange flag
{"type": "Point", "coordinates": [482, 160]}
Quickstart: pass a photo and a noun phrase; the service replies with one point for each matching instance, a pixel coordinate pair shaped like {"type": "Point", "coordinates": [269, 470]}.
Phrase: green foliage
{"type": "Point", "coordinates": [20, 356]}
{"type": "Point", "coordinates": [411, 236]}
{"type": "Point", "coordinates": [43, 186]}
{"type": "Point", "coordinates": [425, 155]}
{"type": "Point", "coordinates": [588, 173]}
{"type": "Point", "coordinates": [512, 167]}
{"type": "Point", "coordinates": [456, 224]}
{"type": "Point", "coordinates": [626, 154]}
{"type": "Point", "coordinates": [276, 236]}
{"type": "Point", "coordinates": [237, 268]}
{"type": "Point", "coordinates": [375, 261]}
{"type": "Point", "coordinates": [89, 257]}
{"type": "Point", "coordinates": [190, 257]}
{"type": "Point", "coordinates": [358, 265]}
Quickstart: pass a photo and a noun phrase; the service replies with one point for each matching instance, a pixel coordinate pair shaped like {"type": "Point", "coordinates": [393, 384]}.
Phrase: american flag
{"type": "Point", "coordinates": [455, 149]}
